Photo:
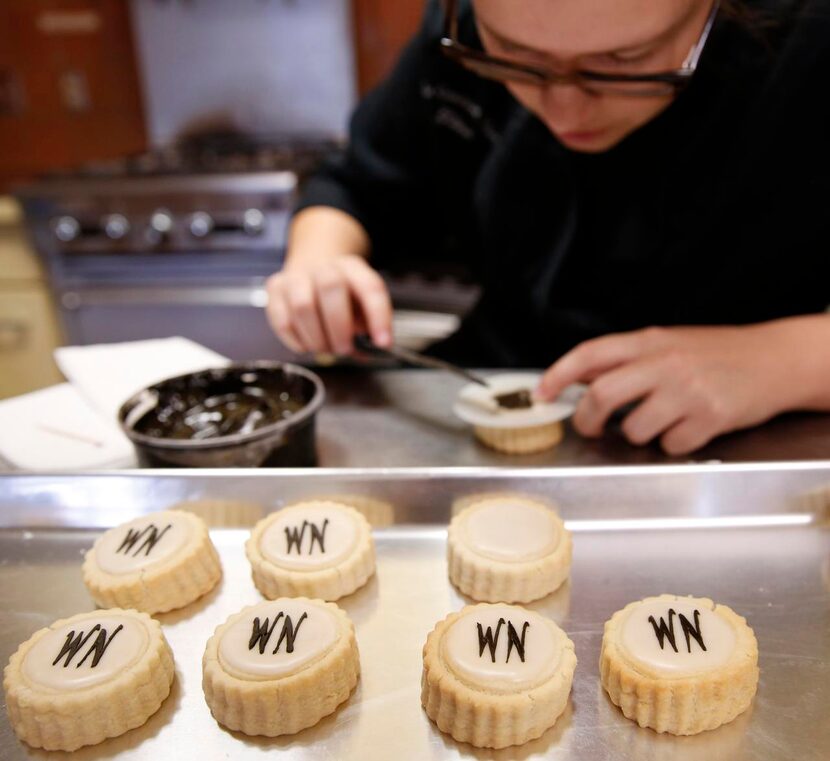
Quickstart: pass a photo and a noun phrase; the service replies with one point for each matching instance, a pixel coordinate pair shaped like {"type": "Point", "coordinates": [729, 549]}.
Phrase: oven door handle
{"type": "Point", "coordinates": [228, 296]}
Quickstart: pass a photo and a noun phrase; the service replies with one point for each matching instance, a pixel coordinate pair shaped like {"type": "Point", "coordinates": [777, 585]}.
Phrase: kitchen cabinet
{"type": "Point", "coordinates": [69, 89]}
{"type": "Point", "coordinates": [381, 30]}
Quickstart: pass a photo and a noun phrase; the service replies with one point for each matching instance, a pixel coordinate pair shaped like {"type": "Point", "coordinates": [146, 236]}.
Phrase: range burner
{"type": "Point", "coordinates": [211, 154]}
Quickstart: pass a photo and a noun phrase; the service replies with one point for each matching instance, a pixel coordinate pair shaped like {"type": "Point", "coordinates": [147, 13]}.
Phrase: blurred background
{"type": "Point", "coordinates": [150, 154]}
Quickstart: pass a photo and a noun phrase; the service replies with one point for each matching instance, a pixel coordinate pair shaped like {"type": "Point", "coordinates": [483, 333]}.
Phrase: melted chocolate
{"type": "Point", "coordinates": [210, 405]}
{"type": "Point", "coordinates": [515, 400]}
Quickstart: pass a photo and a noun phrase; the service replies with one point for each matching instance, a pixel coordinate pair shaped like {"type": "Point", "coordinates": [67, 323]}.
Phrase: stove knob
{"type": "Point", "coordinates": [201, 224]}
{"type": "Point", "coordinates": [116, 226]}
{"type": "Point", "coordinates": [253, 221]}
{"type": "Point", "coordinates": [66, 229]}
{"type": "Point", "coordinates": [161, 221]}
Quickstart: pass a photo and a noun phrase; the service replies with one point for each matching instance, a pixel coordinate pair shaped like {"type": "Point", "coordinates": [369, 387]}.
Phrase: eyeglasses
{"type": "Point", "coordinates": [631, 85]}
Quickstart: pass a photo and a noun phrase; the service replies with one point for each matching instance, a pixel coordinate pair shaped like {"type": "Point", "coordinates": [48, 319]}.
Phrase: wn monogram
{"type": "Point", "coordinates": [151, 536]}
{"type": "Point", "coordinates": [261, 633]}
{"type": "Point", "coordinates": [294, 537]}
{"type": "Point", "coordinates": [491, 641]}
{"type": "Point", "coordinates": [75, 642]}
{"type": "Point", "coordinates": [665, 632]}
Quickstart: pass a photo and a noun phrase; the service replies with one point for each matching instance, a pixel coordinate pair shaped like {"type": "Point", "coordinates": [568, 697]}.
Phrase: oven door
{"type": "Point", "coordinates": [228, 319]}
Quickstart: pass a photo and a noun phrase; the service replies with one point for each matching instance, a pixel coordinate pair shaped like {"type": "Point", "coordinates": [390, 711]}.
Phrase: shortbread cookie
{"type": "Point", "coordinates": [514, 431]}
{"type": "Point", "coordinates": [378, 512]}
{"type": "Point", "coordinates": [280, 666]}
{"type": "Point", "coordinates": [312, 549]}
{"type": "Point", "coordinates": [86, 678]}
{"type": "Point", "coordinates": [508, 549]}
{"type": "Point", "coordinates": [155, 563]}
{"type": "Point", "coordinates": [679, 664]}
{"type": "Point", "coordinates": [522, 440]}
{"type": "Point", "coordinates": [459, 504]}
{"type": "Point", "coordinates": [223, 513]}
{"type": "Point", "coordinates": [496, 675]}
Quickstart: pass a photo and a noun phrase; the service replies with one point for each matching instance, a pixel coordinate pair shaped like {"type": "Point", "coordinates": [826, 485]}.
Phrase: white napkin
{"type": "Point", "coordinates": [74, 425]}
{"type": "Point", "coordinates": [55, 429]}
{"type": "Point", "coordinates": [109, 374]}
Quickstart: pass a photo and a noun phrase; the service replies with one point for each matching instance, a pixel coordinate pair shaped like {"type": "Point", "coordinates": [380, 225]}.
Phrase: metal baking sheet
{"type": "Point", "coordinates": [755, 539]}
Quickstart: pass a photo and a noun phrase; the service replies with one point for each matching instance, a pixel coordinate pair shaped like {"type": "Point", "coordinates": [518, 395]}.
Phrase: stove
{"type": "Point", "coordinates": [211, 193]}
{"type": "Point", "coordinates": [172, 241]}
{"type": "Point", "coordinates": [179, 241]}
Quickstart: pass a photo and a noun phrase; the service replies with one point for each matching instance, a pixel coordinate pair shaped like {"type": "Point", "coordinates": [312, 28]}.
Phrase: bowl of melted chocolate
{"type": "Point", "coordinates": [256, 414]}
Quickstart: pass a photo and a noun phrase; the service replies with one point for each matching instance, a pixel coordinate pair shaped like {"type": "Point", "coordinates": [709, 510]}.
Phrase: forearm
{"type": "Point", "coordinates": [801, 348]}
{"type": "Point", "coordinates": [320, 233]}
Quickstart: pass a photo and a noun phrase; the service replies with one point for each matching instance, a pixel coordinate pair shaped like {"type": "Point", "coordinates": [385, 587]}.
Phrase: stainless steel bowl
{"type": "Point", "coordinates": [289, 442]}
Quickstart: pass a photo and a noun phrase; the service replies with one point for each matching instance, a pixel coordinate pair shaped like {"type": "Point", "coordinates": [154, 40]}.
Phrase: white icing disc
{"type": "Point", "coordinates": [677, 636]}
{"type": "Point", "coordinates": [510, 530]}
{"type": "Point", "coordinates": [142, 542]}
{"type": "Point", "coordinates": [475, 403]}
{"type": "Point", "coordinates": [85, 652]}
{"type": "Point", "coordinates": [276, 639]}
{"type": "Point", "coordinates": [502, 648]}
{"type": "Point", "coordinates": [310, 538]}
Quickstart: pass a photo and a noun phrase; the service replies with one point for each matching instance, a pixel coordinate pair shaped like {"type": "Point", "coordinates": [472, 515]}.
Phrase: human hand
{"type": "Point", "coordinates": [319, 305]}
{"type": "Point", "coordinates": [326, 293]}
{"type": "Point", "coordinates": [689, 384]}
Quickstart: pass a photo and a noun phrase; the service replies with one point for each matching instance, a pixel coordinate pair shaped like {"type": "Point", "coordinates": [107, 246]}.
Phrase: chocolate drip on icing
{"type": "Point", "coordinates": [289, 633]}
{"type": "Point", "coordinates": [260, 634]}
{"type": "Point", "coordinates": [692, 631]}
{"type": "Point", "coordinates": [152, 538]}
{"type": "Point", "coordinates": [663, 632]}
{"type": "Point", "coordinates": [513, 640]}
{"type": "Point", "coordinates": [294, 537]}
{"type": "Point", "coordinates": [74, 643]}
{"type": "Point", "coordinates": [489, 640]}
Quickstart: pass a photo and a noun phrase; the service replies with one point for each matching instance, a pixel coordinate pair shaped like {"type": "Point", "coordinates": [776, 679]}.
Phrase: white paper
{"type": "Point", "coordinates": [109, 374]}
{"type": "Point", "coordinates": [56, 429]}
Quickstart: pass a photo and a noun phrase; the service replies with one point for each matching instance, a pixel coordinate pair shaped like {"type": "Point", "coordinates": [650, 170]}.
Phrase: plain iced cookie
{"type": "Point", "coordinates": [508, 549]}
{"type": "Point", "coordinates": [155, 563]}
{"type": "Point", "coordinates": [86, 678]}
{"type": "Point", "coordinates": [314, 549]}
{"type": "Point", "coordinates": [280, 666]}
{"type": "Point", "coordinates": [679, 664]}
{"type": "Point", "coordinates": [496, 675]}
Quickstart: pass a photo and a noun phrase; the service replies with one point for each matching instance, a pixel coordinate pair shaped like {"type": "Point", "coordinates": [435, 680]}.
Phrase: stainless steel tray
{"type": "Point", "coordinates": [752, 537]}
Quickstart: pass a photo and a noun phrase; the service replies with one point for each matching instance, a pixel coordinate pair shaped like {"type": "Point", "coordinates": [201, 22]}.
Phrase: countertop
{"type": "Point", "coordinates": [394, 418]}
{"type": "Point", "coordinates": [403, 418]}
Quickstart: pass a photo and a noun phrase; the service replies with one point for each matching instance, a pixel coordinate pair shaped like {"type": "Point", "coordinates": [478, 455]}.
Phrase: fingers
{"type": "Point", "coordinates": [372, 296]}
{"type": "Point", "coordinates": [335, 307]}
{"type": "Point", "coordinates": [656, 414]}
{"type": "Point", "coordinates": [305, 319]}
{"type": "Point", "coordinates": [592, 358]}
{"type": "Point", "coordinates": [319, 310]}
{"type": "Point", "coordinates": [612, 390]}
{"type": "Point", "coordinates": [688, 435]}
{"type": "Point", "coordinates": [278, 317]}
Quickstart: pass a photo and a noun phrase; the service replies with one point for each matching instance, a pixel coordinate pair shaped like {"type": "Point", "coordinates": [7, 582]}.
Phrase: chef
{"type": "Point", "coordinates": [642, 190]}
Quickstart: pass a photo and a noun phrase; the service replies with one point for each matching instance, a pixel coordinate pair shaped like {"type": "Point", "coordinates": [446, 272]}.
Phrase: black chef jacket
{"type": "Point", "coordinates": [715, 212]}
